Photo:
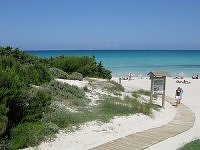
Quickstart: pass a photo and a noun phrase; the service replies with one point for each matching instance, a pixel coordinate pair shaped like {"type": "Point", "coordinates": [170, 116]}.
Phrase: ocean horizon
{"type": "Point", "coordinates": [121, 62]}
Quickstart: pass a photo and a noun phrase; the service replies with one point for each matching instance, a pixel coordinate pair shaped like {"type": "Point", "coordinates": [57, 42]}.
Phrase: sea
{"type": "Point", "coordinates": [138, 62]}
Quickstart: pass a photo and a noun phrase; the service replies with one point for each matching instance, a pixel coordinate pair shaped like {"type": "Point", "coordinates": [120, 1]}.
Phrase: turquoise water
{"type": "Point", "coordinates": [121, 62]}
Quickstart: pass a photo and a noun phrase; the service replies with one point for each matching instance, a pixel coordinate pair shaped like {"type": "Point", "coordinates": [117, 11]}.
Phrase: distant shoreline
{"type": "Point", "coordinates": [121, 62]}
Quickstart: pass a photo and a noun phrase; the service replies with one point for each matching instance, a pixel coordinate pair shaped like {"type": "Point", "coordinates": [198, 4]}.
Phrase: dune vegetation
{"type": "Point", "coordinates": [33, 103]}
{"type": "Point", "coordinates": [194, 145]}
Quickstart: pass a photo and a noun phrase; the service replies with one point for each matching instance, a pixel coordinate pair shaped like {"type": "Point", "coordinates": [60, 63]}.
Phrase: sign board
{"type": "Point", "coordinates": [158, 81]}
{"type": "Point", "coordinates": [158, 86]}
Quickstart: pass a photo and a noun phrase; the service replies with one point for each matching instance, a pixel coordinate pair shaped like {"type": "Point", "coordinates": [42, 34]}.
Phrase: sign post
{"type": "Point", "coordinates": [158, 81]}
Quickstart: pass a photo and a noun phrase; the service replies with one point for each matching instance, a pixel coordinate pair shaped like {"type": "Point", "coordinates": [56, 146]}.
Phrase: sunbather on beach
{"type": "Point", "coordinates": [178, 81]}
{"type": "Point", "coordinates": [186, 82]}
{"type": "Point", "coordinates": [125, 78]}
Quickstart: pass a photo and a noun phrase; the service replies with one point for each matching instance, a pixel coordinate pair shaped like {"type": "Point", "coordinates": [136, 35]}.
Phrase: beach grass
{"type": "Point", "coordinates": [140, 92]}
{"type": "Point", "coordinates": [114, 106]}
{"type": "Point", "coordinates": [114, 87]}
{"type": "Point", "coordinates": [104, 112]}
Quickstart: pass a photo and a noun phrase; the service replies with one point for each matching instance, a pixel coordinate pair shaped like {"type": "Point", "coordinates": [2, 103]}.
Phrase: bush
{"type": "Point", "coordinates": [102, 72]}
{"type": "Point", "coordinates": [3, 118]}
{"type": "Point", "coordinates": [19, 55]}
{"type": "Point", "coordinates": [37, 105]}
{"type": "Point", "coordinates": [63, 118]}
{"type": "Point", "coordinates": [4, 144]}
{"type": "Point", "coordinates": [3, 124]}
{"type": "Point", "coordinates": [84, 65]}
{"type": "Point", "coordinates": [11, 89]}
{"type": "Point", "coordinates": [36, 74]}
{"type": "Point", "coordinates": [76, 76]}
{"type": "Point", "coordinates": [26, 134]}
{"type": "Point", "coordinates": [58, 73]}
{"type": "Point", "coordinates": [65, 92]}
{"type": "Point", "coordinates": [8, 62]}
{"type": "Point", "coordinates": [194, 145]}
{"type": "Point", "coordinates": [87, 66]}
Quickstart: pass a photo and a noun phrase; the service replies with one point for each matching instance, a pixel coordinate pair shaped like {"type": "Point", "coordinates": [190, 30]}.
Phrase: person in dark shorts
{"type": "Point", "coordinates": [178, 95]}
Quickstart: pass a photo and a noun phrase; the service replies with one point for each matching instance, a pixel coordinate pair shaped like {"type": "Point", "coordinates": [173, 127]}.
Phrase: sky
{"type": "Point", "coordinates": [100, 24]}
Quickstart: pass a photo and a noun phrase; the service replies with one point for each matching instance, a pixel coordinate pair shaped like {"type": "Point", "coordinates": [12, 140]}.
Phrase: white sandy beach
{"type": "Point", "coordinates": [191, 98]}
{"type": "Point", "coordinates": [93, 133]}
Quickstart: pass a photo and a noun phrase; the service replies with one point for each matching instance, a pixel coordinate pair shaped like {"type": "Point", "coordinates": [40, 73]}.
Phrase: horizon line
{"type": "Point", "coordinates": [111, 49]}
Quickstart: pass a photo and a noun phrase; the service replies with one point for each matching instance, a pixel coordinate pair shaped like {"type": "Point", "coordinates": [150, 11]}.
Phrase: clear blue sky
{"type": "Point", "coordinates": [100, 24]}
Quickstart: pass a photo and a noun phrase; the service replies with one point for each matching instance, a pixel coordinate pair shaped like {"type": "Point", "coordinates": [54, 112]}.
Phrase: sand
{"type": "Point", "coordinates": [191, 98]}
{"type": "Point", "coordinates": [93, 133]}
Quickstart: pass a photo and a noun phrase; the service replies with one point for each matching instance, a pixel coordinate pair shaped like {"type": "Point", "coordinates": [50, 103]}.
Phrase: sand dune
{"type": "Point", "coordinates": [93, 133]}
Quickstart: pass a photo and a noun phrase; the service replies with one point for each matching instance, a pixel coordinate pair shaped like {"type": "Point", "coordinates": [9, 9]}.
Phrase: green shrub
{"type": "Point", "coordinates": [4, 144]}
{"type": "Point", "coordinates": [36, 74]}
{"type": "Point", "coordinates": [3, 110]}
{"type": "Point", "coordinates": [26, 134]}
{"type": "Point", "coordinates": [65, 92]}
{"type": "Point", "coordinates": [37, 106]}
{"type": "Point", "coordinates": [58, 73]}
{"type": "Point", "coordinates": [70, 64]}
{"type": "Point", "coordinates": [3, 118]}
{"type": "Point", "coordinates": [76, 76]}
{"type": "Point", "coordinates": [63, 118]}
{"type": "Point", "coordinates": [8, 62]}
{"type": "Point", "coordinates": [10, 85]}
{"type": "Point", "coordinates": [194, 145]}
{"type": "Point", "coordinates": [3, 124]}
{"type": "Point", "coordinates": [85, 65]}
{"type": "Point", "coordinates": [50, 129]}
{"type": "Point", "coordinates": [102, 72]}
{"type": "Point", "coordinates": [20, 56]}
{"type": "Point", "coordinates": [11, 89]}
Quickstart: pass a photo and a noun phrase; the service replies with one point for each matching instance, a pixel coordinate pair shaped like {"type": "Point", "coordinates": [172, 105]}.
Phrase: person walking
{"type": "Point", "coordinates": [178, 96]}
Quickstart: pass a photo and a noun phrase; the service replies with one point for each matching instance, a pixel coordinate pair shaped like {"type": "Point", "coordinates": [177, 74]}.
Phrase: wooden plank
{"type": "Point", "coordinates": [183, 121]}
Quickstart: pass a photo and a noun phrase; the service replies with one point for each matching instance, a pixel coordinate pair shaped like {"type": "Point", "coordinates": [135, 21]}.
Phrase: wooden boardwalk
{"type": "Point", "coordinates": [183, 121]}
